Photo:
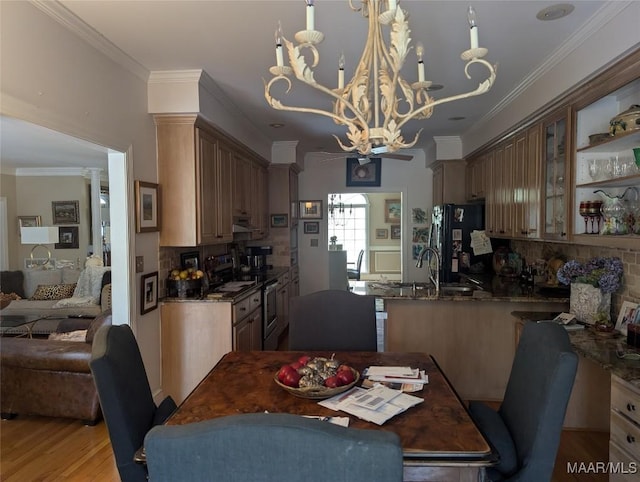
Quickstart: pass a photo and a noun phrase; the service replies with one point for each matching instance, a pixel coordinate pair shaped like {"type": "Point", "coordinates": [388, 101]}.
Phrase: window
{"type": "Point", "coordinates": [348, 215]}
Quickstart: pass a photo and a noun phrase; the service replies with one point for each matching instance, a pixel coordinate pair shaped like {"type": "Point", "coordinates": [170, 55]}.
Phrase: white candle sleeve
{"type": "Point", "coordinates": [279, 59]}
{"type": "Point", "coordinates": [340, 78]}
{"type": "Point", "coordinates": [420, 71]}
{"type": "Point", "coordinates": [473, 33]}
{"type": "Point", "coordinates": [310, 17]}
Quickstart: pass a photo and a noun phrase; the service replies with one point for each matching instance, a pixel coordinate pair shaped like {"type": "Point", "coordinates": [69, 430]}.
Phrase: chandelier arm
{"type": "Point", "coordinates": [483, 87]}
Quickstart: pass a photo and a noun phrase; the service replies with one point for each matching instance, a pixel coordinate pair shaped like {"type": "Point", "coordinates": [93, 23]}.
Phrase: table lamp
{"type": "Point", "coordinates": [39, 236]}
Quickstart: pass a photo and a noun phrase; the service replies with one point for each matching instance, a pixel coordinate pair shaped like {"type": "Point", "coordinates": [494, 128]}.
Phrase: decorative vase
{"type": "Point", "coordinates": [587, 301]}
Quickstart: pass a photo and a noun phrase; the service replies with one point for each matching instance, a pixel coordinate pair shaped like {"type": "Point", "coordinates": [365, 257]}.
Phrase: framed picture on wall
{"type": "Point", "coordinates": [147, 207]}
{"type": "Point", "coordinates": [395, 231]}
{"type": "Point", "coordinates": [148, 292]}
{"type": "Point", "coordinates": [364, 175]}
{"type": "Point", "coordinates": [65, 212]}
{"type": "Point", "coordinates": [382, 233]}
{"type": "Point", "coordinates": [279, 220]}
{"type": "Point", "coordinates": [311, 209]}
{"type": "Point", "coordinates": [392, 210]}
{"type": "Point", "coordinates": [311, 227]}
{"type": "Point", "coordinates": [68, 236]}
{"type": "Point", "coordinates": [29, 222]}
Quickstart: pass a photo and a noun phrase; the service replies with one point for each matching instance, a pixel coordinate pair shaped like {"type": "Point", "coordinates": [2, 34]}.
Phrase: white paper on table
{"type": "Point", "coordinates": [390, 371]}
{"type": "Point", "coordinates": [374, 398]}
{"type": "Point", "coordinates": [422, 378]}
{"type": "Point", "coordinates": [342, 421]}
{"type": "Point", "coordinates": [333, 402]}
{"type": "Point", "coordinates": [397, 405]}
{"type": "Point", "coordinates": [480, 243]}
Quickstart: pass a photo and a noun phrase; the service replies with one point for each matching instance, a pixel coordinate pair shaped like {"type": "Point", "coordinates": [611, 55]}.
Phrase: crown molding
{"type": "Point", "coordinates": [603, 16]}
{"type": "Point", "coordinates": [175, 76]}
{"type": "Point", "coordinates": [73, 23]}
{"type": "Point", "coordinates": [59, 172]}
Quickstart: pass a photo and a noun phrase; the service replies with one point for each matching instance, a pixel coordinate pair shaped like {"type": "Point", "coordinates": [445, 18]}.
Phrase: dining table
{"type": "Point", "coordinates": [439, 439]}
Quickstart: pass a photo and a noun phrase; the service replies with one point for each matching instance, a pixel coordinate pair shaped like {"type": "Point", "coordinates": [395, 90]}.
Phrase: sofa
{"type": "Point", "coordinates": [56, 293]}
{"type": "Point", "coordinates": [51, 377]}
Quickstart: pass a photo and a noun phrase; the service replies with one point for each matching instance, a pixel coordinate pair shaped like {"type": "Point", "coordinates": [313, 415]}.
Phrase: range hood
{"type": "Point", "coordinates": [242, 225]}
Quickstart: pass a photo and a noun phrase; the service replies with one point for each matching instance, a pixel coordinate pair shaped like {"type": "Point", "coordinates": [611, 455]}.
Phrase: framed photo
{"type": "Point", "coordinates": [68, 238]}
{"type": "Point", "coordinates": [190, 260]}
{"type": "Point", "coordinates": [148, 292]}
{"type": "Point", "coordinates": [382, 233]}
{"type": "Point", "coordinates": [311, 227]}
{"type": "Point", "coordinates": [418, 216]}
{"type": "Point", "coordinates": [147, 207]}
{"type": "Point", "coordinates": [65, 212]}
{"type": "Point", "coordinates": [279, 220]}
{"type": "Point", "coordinates": [310, 209]}
{"type": "Point", "coordinates": [363, 175]}
{"type": "Point", "coordinates": [392, 210]}
{"type": "Point", "coordinates": [395, 231]}
{"type": "Point", "coordinates": [420, 235]}
{"type": "Point", "coordinates": [629, 313]}
{"type": "Point", "coordinates": [29, 222]}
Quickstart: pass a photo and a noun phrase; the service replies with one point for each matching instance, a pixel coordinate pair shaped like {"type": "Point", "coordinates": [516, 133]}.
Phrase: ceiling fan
{"type": "Point", "coordinates": [376, 152]}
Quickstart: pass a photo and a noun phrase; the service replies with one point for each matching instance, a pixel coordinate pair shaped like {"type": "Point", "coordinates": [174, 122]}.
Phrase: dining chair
{"type": "Point", "coordinates": [125, 397]}
{"type": "Point", "coordinates": [526, 429]}
{"type": "Point", "coordinates": [271, 447]}
{"type": "Point", "coordinates": [332, 320]}
{"type": "Point", "coordinates": [354, 274]}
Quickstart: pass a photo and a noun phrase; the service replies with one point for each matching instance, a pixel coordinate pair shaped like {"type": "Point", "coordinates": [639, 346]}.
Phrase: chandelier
{"type": "Point", "coordinates": [368, 105]}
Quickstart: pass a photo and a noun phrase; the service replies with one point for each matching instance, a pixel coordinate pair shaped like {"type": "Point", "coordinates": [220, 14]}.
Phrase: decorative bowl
{"type": "Point", "coordinates": [602, 136]}
{"type": "Point", "coordinates": [317, 393]}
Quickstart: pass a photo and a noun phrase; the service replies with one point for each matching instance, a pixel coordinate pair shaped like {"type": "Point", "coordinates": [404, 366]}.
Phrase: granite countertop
{"type": "Point", "coordinates": [495, 288]}
{"type": "Point", "coordinates": [601, 348]}
{"type": "Point", "coordinates": [269, 275]}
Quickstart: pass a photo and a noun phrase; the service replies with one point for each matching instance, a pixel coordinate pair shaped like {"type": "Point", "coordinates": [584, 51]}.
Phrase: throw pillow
{"type": "Point", "coordinates": [54, 292]}
{"type": "Point", "coordinates": [78, 335]}
{"type": "Point", "coordinates": [12, 282]}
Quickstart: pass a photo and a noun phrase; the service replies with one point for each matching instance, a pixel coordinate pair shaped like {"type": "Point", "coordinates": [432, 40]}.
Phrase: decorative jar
{"type": "Point", "coordinates": [587, 301]}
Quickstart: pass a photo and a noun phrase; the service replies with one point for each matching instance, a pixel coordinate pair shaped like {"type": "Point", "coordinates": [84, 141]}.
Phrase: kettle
{"type": "Point", "coordinates": [614, 212]}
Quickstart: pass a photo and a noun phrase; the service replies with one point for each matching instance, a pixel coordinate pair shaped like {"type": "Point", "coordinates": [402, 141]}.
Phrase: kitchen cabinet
{"type": "Point", "coordinates": [476, 179]}
{"type": "Point", "coordinates": [247, 323]}
{"type": "Point", "coordinates": [194, 337]}
{"type": "Point", "coordinates": [556, 175]}
{"type": "Point", "coordinates": [624, 442]}
{"type": "Point", "coordinates": [525, 191]}
{"type": "Point", "coordinates": [499, 215]}
{"type": "Point", "coordinates": [259, 201]}
{"type": "Point", "coordinates": [448, 182]}
{"type": "Point", "coordinates": [205, 179]}
{"type": "Point", "coordinates": [607, 164]}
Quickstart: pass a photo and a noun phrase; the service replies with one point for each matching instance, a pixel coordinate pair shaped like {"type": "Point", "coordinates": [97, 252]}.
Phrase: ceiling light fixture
{"type": "Point", "coordinates": [554, 12]}
{"type": "Point", "coordinates": [368, 105]}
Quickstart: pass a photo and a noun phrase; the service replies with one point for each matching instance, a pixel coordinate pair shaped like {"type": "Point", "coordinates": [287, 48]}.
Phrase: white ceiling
{"type": "Point", "coordinates": [233, 41]}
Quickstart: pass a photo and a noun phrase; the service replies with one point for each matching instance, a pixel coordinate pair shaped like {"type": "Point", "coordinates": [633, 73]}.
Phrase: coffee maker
{"type": "Point", "coordinates": [257, 257]}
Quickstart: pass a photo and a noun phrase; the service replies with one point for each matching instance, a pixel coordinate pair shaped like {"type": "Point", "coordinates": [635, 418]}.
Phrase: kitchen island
{"type": "Point", "coordinates": [473, 337]}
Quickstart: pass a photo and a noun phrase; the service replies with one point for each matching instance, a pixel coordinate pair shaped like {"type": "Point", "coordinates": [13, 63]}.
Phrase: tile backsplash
{"type": "Point", "coordinates": [630, 291]}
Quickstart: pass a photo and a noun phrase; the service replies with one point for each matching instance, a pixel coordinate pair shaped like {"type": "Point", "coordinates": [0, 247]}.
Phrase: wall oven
{"type": "Point", "coordinates": [269, 315]}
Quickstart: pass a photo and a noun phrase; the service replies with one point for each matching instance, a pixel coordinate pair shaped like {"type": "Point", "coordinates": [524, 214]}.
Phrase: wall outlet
{"type": "Point", "coordinates": [139, 264]}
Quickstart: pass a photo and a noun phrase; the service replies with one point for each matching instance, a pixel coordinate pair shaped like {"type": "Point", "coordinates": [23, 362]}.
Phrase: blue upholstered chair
{"type": "Point", "coordinates": [271, 447]}
{"type": "Point", "coordinates": [526, 429]}
{"type": "Point", "coordinates": [125, 396]}
{"type": "Point", "coordinates": [332, 320]}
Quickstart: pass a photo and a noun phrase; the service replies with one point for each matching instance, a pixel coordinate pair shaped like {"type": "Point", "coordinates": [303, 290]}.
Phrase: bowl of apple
{"type": "Point", "coordinates": [316, 378]}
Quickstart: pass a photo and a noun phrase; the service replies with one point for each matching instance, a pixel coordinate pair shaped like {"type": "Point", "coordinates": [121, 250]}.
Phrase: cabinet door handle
{"type": "Point", "coordinates": [242, 308]}
{"type": "Point", "coordinates": [631, 439]}
{"type": "Point", "coordinates": [631, 407]}
{"type": "Point", "coordinates": [255, 300]}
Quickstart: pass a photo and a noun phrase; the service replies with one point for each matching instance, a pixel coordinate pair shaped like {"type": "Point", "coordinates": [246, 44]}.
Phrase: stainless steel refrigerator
{"type": "Point", "coordinates": [451, 227]}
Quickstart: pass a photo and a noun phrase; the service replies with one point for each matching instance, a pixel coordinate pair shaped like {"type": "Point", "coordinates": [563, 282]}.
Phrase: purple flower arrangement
{"type": "Point", "coordinates": [603, 273]}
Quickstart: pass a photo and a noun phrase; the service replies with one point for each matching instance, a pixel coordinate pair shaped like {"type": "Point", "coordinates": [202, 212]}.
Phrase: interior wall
{"type": "Point", "coordinates": [320, 177]}
{"type": "Point", "coordinates": [34, 195]}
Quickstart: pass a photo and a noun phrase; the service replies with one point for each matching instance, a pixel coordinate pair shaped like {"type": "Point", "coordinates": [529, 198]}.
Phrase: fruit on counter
{"type": "Point", "coordinates": [308, 372]}
{"type": "Point", "coordinates": [185, 274]}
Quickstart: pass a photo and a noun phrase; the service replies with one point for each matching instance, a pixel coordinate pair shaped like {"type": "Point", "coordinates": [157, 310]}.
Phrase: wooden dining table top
{"type": "Point", "coordinates": [438, 429]}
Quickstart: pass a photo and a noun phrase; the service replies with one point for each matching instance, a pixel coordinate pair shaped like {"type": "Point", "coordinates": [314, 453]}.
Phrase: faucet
{"type": "Point", "coordinates": [436, 280]}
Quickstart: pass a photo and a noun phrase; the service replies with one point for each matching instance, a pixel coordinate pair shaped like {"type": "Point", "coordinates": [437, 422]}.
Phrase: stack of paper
{"type": "Point", "coordinates": [405, 379]}
{"type": "Point", "coordinates": [376, 405]}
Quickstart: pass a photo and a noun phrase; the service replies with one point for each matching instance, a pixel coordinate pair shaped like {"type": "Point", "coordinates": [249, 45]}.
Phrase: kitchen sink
{"type": "Point", "coordinates": [418, 285]}
{"type": "Point", "coordinates": [456, 289]}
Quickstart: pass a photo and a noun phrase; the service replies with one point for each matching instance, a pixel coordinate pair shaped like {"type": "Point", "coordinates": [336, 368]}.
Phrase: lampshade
{"type": "Point", "coordinates": [39, 235]}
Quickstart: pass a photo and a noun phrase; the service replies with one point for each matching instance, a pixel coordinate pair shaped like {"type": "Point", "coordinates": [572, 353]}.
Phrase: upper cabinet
{"type": "Point", "coordinates": [448, 182]}
{"type": "Point", "coordinates": [605, 169]}
{"type": "Point", "coordinates": [555, 175]}
{"type": "Point", "coordinates": [205, 180]}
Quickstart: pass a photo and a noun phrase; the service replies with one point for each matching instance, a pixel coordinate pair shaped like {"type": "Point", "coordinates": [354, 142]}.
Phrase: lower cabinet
{"type": "Point", "coordinates": [624, 441]}
{"type": "Point", "coordinates": [247, 323]}
{"type": "Point", "coordinates": [194, 337]}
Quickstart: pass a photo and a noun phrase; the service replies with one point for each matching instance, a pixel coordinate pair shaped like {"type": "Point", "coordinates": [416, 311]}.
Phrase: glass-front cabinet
{"type": "Point", "coordinates": [606, 207]}
{"type": "Point", "coordinates": [555, 179]}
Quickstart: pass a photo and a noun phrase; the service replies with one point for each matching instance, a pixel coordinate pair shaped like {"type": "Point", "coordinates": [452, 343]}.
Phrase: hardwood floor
{"type": "Point", "coordinates": [35, 449]}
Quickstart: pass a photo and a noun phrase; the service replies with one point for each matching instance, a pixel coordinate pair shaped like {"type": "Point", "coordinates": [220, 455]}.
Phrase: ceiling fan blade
{"type": "Point", "coordinates": [400, 157]}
